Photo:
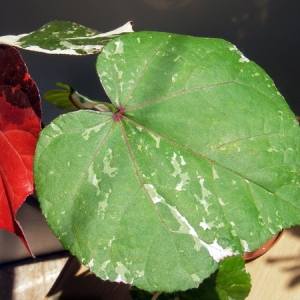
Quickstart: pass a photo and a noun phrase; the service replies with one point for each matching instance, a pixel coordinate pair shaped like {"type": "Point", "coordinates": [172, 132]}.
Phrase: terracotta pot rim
{"type": "Point", "coordinates": [248, 256]}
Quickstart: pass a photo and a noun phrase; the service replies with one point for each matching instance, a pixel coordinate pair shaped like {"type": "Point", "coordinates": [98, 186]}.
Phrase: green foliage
{"type": "Point", "coordinates": [199, 161]}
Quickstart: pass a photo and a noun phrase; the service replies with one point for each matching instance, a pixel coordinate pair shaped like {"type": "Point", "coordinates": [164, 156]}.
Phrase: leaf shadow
{"type": "Point", "coordinates": [77, 282]}
{"type": "Point", "coordinates": [7, 275]}
{"type": "Point", "coordinates": [292, 261]}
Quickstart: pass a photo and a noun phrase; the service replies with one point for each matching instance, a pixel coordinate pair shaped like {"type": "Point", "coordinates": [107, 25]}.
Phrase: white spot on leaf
{"type": "Point", "coordinates": [221, 202]}
{"type": "Point", "coordinates": [87, 132]}
{"type": "Point", "coordinates": [157, 140]}
{"type": "Point", "coordinates": [215, 174]}
{"type": "Point", "coordinates": [120, 73]}
{"type": "Point", "coordinates": [153, 194]}
{"type": "Point", "coordinates": [139, 274]}
{"type": "Point", "coordinates": [205, 225]}
{"type": "Point", "coordinates": [90, 264]}
{"type": "Point", "coordinates": [177, 58]}
{"type": "Point", "coordinates": [205, 192]}
{"type": "Point", "coordinates": [56, 129]}
{"type": "Point", "coordinates": [216, 251]}
{"type": "Point", "coordinates": [121, 271]}
{"type": "Point", "coordinates": [184, 180]}
{"type": "Point", "coordinates": [119, 47]}
{"type": "Point", "coordinates": [205, 204]}
{"type": "Point", "coordinates": [185, 227]}
{"type": "Point", "coordinates": [272, 150]}
{"type": "Point", "coordinates": [104, 265]}
{"type": "Point", "coordinates": [184, 177]}
{"type": "Point", "coordinates": [92, 178]}
{"type": "Point", "coordinates": [182, 161]}
{"type": "Point", "coordinates": [110, 171]}
{"type": "Point", "coordinates": [104, 203]}
{"type": "Point", "coordinates": [245, 246]}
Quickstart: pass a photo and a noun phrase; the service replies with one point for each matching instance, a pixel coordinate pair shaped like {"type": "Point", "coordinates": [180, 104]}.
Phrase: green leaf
{"type": "Point", "coordinates": [60, 98]}
{"type": "Point", "coordinates": [62, 37]}
{"type": "Point", "coordinates": [70, 99]}
{"type": "Point", "coordinates": [230, 282]}
{"type": "Point", "coordinates": [200, 162]}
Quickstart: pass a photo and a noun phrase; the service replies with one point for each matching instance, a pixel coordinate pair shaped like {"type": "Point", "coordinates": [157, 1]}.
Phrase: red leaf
{"type": "Point", "coordinates": [20, 124]}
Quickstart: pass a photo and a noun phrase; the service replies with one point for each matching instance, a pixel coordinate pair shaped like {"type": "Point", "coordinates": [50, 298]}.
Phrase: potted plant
{"type": "Point", "coordinates": [193, 163]}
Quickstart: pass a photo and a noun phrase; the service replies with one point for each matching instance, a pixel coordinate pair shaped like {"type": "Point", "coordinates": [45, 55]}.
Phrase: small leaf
{"type": "Point", "coordinates": [230, 282]}
{"type": "Point", "coordinates": [62, 37]}
{"type": "Point", "coordinates": [60, 98]}
{"type": "Point", "coordinates": [70, 99]}
{"type": "Point", "coordinates": [20, 125]}
{"type": "Point", "coordinates": [199, 162]}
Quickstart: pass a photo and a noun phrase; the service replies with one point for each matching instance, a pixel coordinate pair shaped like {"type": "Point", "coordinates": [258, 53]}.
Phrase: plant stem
{"type": "Point", "coordinates": [156, 295]}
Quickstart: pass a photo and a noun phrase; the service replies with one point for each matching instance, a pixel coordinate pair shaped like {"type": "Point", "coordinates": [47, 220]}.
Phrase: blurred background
{"type": "Point", "coordinates": [266, 31]}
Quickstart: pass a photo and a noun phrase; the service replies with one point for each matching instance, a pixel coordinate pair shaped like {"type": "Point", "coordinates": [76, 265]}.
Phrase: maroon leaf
{"type": "Point", "coordinates": [14, 73]}
{"type": "Point", "coordinates": [20, 124]}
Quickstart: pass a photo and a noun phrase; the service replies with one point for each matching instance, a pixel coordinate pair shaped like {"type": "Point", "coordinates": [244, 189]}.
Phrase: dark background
{"type": "Point", "coordinates": [266, 31]}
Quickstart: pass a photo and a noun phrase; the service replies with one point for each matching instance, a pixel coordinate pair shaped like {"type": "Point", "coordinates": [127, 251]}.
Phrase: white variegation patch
{"type": "Point", "coordinates": [108, 169]}
{"type": "Point", "coordinates": [184, 176]}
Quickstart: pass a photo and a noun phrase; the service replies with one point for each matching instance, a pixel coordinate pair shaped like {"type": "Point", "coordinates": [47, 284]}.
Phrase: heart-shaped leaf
{"type": "Point", "coordinates": [200, 162]}
{"type": "Point", "coordinates": [20, 125]}
{"type": "Point", "coordinates": [62, 37]}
